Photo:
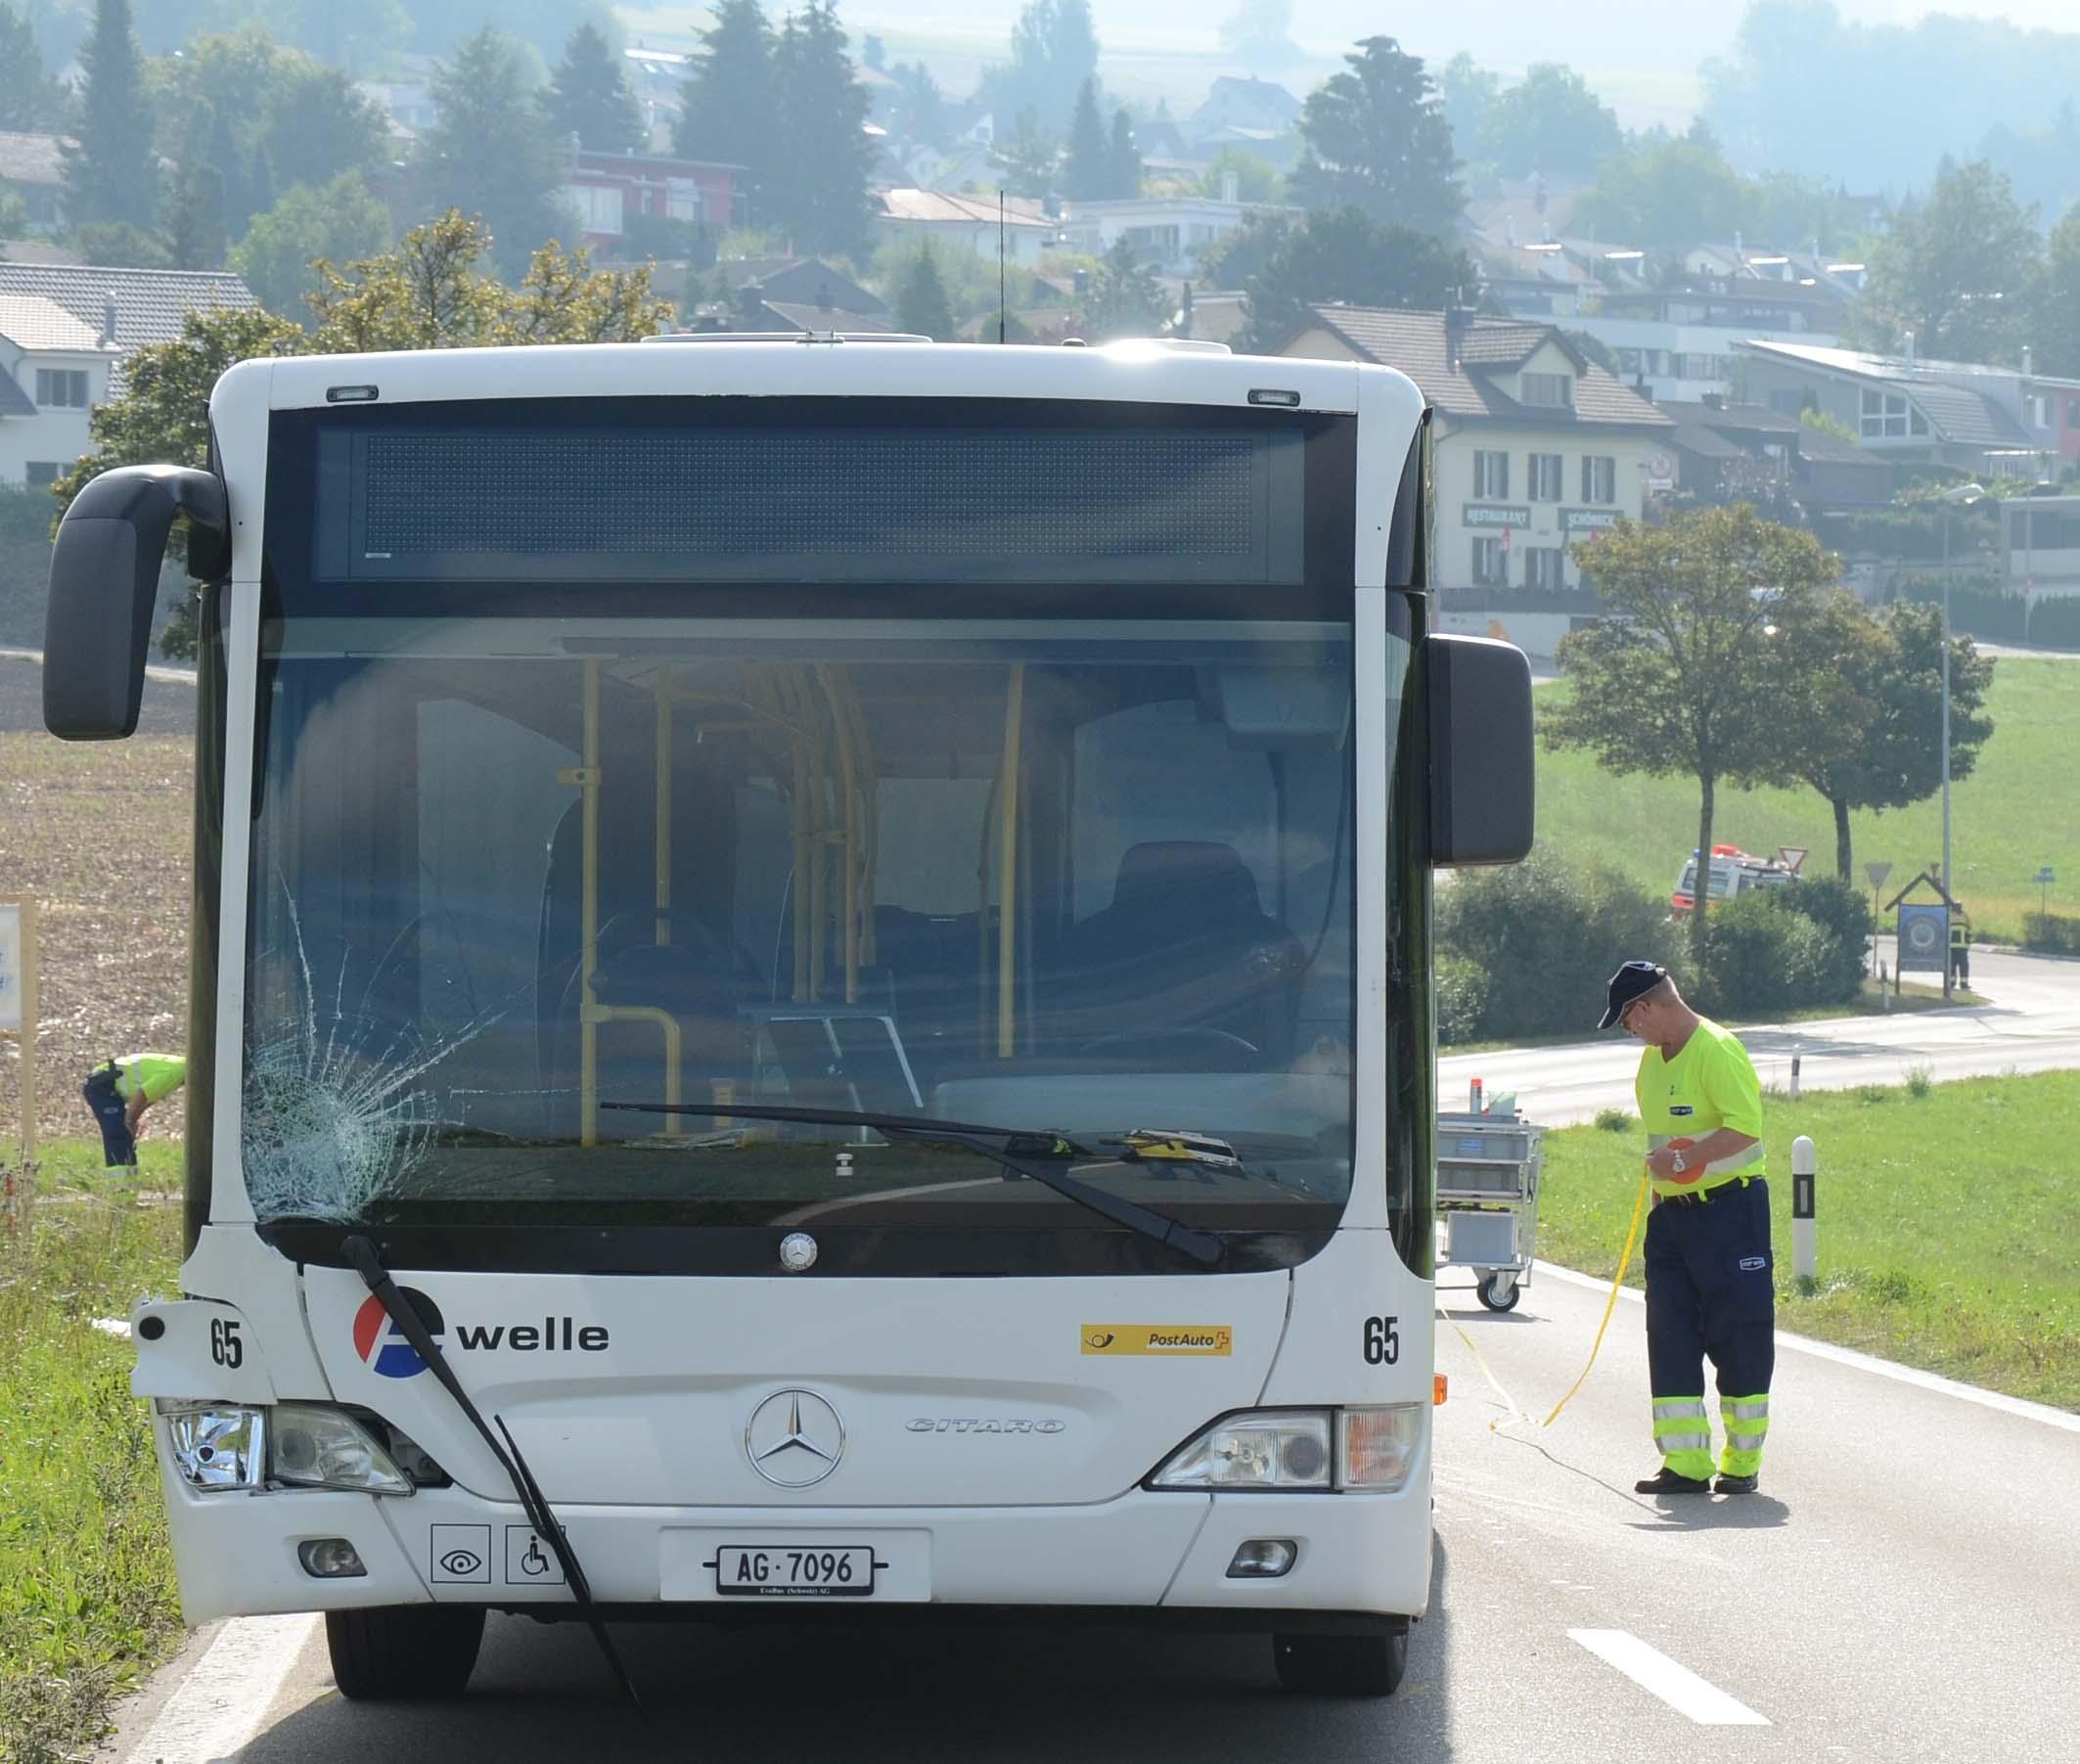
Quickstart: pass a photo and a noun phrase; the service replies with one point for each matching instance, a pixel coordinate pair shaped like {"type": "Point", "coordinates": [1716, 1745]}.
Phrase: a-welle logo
{"type": "Point", "coordinates": [1158, 1340]}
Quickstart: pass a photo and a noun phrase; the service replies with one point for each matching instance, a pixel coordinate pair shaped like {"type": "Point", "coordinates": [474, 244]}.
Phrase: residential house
{"type": "Point", "coordinates": [1724, 450]}
{"type": "Point", "coordinates": [1534, 447]}
{"type": "Point", "coordinates": [1255, 115]}
{"type": "Point", "coordinates": [2039, 539]}
{"type": "Point", "coordinates": [1169, 233]}
{"type": "Point", "coordinates": [1987, 421]}
{"type": "Point", "coordinates": [818, 321]}
{"type": "Point", "coordinates": [65, 330]}
{"type": "Point", "coordinates": [613, 194]}
{"type": "Point", "coordinates": [33, 166]}
{"type": "Point", "coordinates": [1677, 341]}
{"type": "Point", "coordinates": [658, 79]}
{"type": "Point", "coordinates": [801, 281]}
{"type": "Point", "coordinates": [1021, 228]}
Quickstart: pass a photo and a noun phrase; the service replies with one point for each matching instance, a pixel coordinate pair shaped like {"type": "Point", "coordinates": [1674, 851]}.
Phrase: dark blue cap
{"type": "Point", "coordinates": [1636, 979]}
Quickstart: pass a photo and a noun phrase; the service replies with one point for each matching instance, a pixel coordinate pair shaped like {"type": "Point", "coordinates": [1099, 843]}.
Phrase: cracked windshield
{"type": "Point", "coordinates": [1088, 880]}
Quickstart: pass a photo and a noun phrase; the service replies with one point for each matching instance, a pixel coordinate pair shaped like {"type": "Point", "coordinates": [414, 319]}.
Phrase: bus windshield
{"type": "Point", "coordinates": [1084, 876]}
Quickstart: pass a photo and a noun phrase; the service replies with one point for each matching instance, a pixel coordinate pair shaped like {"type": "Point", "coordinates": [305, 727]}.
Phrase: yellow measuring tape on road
{"type": "Point", "coordinates": [1632, 1232]}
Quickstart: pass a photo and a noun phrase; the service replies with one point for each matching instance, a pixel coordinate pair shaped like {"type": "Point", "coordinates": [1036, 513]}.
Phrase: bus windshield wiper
{"type": "Point", "coordinates": [412, 1326]}
{"type": "Point", "coordinates": [1202, 1246]}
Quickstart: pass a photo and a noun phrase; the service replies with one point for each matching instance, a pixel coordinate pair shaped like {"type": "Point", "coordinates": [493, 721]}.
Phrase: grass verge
{"type": "Point", "coordinates": [88, 1595]}
{"type": "Point", "coordinates": [2003, 821]}
{"type": "Point", "coordinates": [1944, 1223]}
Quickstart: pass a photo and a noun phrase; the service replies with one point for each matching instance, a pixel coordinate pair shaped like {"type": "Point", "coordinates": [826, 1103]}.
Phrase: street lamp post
{"type": "Point", "coordinates": [1963, 496]}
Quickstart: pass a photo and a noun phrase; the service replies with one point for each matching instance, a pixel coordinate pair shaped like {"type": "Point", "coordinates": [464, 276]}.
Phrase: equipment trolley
{"type": "Point", "coordinates": [1487, 1199]}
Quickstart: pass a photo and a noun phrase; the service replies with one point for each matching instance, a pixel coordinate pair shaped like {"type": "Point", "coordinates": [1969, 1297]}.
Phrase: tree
{"type": "Point", "coordinates": [730, 109]}
{"type": "Point", "coordinates": [318, 125]}
{"type": "Point", "coordinates": [588, 96]}
{"type": "Point", "coordinates": [426, 294]}
{"type": "Point", "coordinates": [1676, 677]}
{"type": "Point", "coordinates": [917, 111]}
{"type": "Point", "coordinates": [1125, 299]}
{"type": "Point", "coordinates": [1377, 139]}
{"type": "Point", "coordinates": [1054, 51]}
{"type": "Point", "coordinates": [338, 222]}
{"type": "Point", "coordinates": [30, 102]}
{"type": "Point", "coordinates": [1087, 172]}
{"type": "Point", "coordinates": [490, 153]}
{"type": "Point", "coordinates": [1465, 92]}
{"type": "Point", "coordinates": [1259, 32]}
{"type": "Point", "coordinates": [920, 303]}
{"type": "Point", "coordinates": [109, 172]}
{"type": "Point", "coordinates": [1345, 255]}
{"type": "Point", "coordinates": [1028, 156]}
{"type": "Point", "coordinates": [1551, 124]}
{"type": "Point", "coordinates": [1256, 180]}
{"type": "Point", "coordinates": [1955, 270]}
{"type": "Point", "coordinates": [1857, 701]}
{"type": "Point", "coordinates": [827, 155]}
{"type": "Point", "coordinates": [1664, 195]}
{"type": "Point", "coordinates": [120, 246]}
{"type": "Point", "coordinates": [2056, 301]}
{"type": "Point", "coordinates": [1122, 159]}
{"type": "Point", "coordinates": [14, 215]}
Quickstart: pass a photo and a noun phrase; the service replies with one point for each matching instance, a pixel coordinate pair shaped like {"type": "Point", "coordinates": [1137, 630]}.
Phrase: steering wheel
{"type": "Point", "coordinates": [1214, 1049]}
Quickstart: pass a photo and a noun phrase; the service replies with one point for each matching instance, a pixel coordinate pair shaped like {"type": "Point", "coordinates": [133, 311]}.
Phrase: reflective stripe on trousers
{"type": "Point", "coordinates": [1682, 1434]}
{"type": "Point", "coordinates": [1747, 1420]}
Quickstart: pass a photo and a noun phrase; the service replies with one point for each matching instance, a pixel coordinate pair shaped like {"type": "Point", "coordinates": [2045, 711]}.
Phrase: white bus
{"type": "Point", "coordinates": [811, 983]}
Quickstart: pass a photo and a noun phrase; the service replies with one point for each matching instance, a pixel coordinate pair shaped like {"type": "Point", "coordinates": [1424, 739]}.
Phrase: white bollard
{"type": "Point", "coordinates": [1794, 1077]}
{"type": "Point", "coordinates": [1805, 1248]}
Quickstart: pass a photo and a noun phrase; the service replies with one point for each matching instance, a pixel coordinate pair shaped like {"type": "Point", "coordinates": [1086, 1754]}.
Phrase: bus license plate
{"type": "Point", "coordinates": [788, 1572]}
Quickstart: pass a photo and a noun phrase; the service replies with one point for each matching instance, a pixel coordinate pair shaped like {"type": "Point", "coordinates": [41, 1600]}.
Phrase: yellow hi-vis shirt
{"type": "Point", "coordinates": [1709, 1084]}
{"type": "Point", "coordinates": [154, 1075]}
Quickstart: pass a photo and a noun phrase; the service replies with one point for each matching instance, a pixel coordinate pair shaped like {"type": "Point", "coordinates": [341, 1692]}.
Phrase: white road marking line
{"type": "Point", "coordinates": [1848, 1356]}
{"type": "Point", "coordinates": [219, 1706]}
{"type": "Point", "coordinates": [1677, 1685]}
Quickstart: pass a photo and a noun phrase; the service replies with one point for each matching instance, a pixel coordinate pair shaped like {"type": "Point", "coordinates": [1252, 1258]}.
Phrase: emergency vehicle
{"type": "Point", "coordinates": [1734, 872]}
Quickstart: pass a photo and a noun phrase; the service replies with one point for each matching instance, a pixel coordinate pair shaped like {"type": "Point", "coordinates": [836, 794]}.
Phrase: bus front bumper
{"type": "Point", "coordinates": [1148, 1556]}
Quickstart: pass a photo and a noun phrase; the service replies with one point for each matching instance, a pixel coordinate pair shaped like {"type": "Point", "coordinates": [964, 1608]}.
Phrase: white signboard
{"type": "Point", "coordinates": [10, 966]}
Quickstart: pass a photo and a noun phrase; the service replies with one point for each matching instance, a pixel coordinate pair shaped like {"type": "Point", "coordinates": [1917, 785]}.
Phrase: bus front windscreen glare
{"type": "Point", "coordinates": [1089, 880]}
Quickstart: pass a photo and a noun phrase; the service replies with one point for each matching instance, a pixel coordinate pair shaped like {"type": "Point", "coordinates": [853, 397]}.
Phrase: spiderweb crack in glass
{"type": "Point", "coordinates": [1077, 496]}
{"type": "Point", "coordinates": [333, 1115]}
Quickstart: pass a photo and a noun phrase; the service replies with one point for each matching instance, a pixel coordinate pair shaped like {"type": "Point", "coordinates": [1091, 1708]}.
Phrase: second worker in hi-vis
{"type": "Point", "coordinates": [1709, 1285]}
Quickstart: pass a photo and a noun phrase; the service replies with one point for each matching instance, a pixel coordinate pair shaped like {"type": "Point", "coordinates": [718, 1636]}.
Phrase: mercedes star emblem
{"type": "Point", "coordinates": [794, 1439]}
{"type": "Point", "coordinates": [797, 1252]}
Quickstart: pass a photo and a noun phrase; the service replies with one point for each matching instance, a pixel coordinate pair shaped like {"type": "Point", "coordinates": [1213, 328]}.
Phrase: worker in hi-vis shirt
{"type": "Point", "coordinates": [120, 1091]}
{"type": "Point", "coordinates": [1709, 1283]}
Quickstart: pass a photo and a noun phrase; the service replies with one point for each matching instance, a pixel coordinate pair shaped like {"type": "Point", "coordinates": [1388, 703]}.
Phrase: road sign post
{"type": "Point", "coordinates": [2044, 878]}
{"type": "Point", "coordinates": [1878, 873]}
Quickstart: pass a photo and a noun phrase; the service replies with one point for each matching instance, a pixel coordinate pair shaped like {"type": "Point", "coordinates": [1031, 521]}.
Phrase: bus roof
{"type": "Point", "coordinates": [1131, 373]}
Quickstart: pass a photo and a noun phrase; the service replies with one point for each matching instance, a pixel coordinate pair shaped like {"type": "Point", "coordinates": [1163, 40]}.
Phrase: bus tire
{"type": "Point", "coordinates": [1341, 1665]}
{"type": "Point", "coordinates": [1501, 1290]}
{"type": "Point", "coordinates": [404, 1652]}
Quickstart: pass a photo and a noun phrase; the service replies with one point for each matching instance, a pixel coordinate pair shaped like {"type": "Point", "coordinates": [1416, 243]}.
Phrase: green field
{"type": "Point", "coordinates": [86, 1580]}
{"type": "Point", "coordinates": [1945, 1223]}
{"type": "Point", "coordinates": [2018, 809]}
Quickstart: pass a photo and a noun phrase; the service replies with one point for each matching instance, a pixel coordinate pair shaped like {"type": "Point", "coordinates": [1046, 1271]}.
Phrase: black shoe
{"type": "Point", "coordinates": [1665, 1481]}
{"type": "Point", "coordinates": [1730, 1484]}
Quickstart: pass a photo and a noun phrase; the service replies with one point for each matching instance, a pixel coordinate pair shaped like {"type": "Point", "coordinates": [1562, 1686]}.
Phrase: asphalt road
{"type": "Point", "coordinates": [2032, 1024]}
{"type": "Point", "coordinates": [1902, 1588]}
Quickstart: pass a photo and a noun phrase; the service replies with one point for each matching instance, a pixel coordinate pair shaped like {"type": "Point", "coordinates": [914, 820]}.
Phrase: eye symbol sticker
{"type": "Point", "coordinates": [461, 1562]}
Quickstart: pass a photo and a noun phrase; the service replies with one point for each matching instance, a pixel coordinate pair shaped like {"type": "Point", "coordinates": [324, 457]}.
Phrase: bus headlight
{"type": "Point", "coordinates": [1378, 1445]}
{"type": "Point", "coordinates": [216, 1446]}
{"type": "Point", "coordinates": [327, 1448]}
{"type": "Point", "coordinates": [1272, 1449]}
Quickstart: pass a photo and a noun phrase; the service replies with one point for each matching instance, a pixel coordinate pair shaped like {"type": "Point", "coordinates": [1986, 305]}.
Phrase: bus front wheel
{"type": "Point", "coordinates": [1341, 1665]}
{"type": "Point", "coordinates": [404, 1652]}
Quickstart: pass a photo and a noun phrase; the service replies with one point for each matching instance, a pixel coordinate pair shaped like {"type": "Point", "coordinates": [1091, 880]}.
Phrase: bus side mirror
{"type": "Point", "coordinates": [1480, 751]}
{"type": "Point", "coordinates": [104, 580]}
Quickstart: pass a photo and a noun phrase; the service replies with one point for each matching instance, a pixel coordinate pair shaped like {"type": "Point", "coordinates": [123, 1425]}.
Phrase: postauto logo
{"type": "Point", "coordinates": [380, 1343]}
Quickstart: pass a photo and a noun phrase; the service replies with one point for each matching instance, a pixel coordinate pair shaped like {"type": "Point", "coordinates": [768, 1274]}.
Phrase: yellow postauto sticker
{"type": "Point", "coordinates": [1158, 1340]}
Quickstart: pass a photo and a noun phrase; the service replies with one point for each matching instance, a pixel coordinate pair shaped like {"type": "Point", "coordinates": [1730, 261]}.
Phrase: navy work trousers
{"type": "Point", "coordinates": [119, 1146]}
{"type": "Point", "coordinates": [1709, 1292]}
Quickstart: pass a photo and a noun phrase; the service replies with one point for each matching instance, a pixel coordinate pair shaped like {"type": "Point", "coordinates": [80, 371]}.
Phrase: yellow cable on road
{"type": "Point", "coordinates": [1632, 1231]}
